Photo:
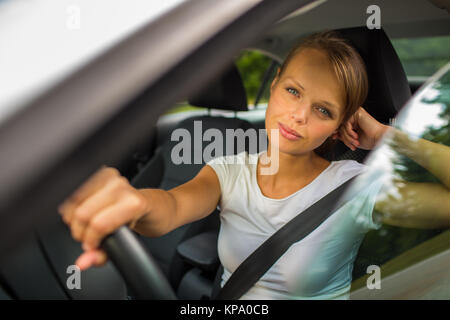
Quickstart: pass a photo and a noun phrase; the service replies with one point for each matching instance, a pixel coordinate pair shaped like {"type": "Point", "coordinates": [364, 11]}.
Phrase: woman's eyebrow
{"type": "Point", "coordinates": [296, 82]}
{"type": "Point", "coordinates": [329, 104]}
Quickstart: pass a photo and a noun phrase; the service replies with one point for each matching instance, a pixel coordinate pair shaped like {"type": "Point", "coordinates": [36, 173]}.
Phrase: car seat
{"type": "Point", "coordinates": [388, 85]}
{"type": "Point", "coordinates": [225, 93]}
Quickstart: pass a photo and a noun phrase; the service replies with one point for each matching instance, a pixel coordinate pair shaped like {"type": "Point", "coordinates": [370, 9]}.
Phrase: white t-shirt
{"type": "Point", "coordinates": [317, 267]}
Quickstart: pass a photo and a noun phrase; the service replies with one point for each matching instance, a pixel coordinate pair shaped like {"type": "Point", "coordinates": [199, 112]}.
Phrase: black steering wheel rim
{"type": "Point", "coordinates": [137, 267]}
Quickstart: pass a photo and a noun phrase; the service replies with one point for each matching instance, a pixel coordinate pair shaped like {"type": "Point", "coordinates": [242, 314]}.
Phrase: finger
{"type": "Point", "coordinates": [94, 204]}
{"type": "Point", "coordinates": [344, 138]}
{"type": "Point", "coordinates": [350, 131]}
{"type": "Point", "coordinates": [66, 212]}
{"type": "Point", "coordinates": [111, 218]}
{"type": "Point", "coordinates": [348, 140]}
{"type": "Point", "coordinates": [77, 230]}
{"type": "Point", "coordinates": [101, 258]}
{"type": "Point", "coordinates": [85, 260]}
{"type": "Point", "coordinates": [91, 258]}
{"type": "Point", "coordinates": [96, 181]}
{"type": "Point", "coordinates": [351, 135]}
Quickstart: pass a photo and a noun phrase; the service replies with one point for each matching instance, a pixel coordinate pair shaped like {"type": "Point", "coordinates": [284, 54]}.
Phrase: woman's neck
{"type": "Point", "coordinates": [294, 171]}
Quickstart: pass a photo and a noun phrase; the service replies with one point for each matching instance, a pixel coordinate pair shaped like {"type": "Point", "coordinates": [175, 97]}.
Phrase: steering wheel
{"type": "Point", "coordinates": [137, 267]}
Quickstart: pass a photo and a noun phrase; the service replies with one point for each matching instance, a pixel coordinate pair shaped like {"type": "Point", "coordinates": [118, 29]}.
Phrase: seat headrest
{"type": "Point", "coordinates": [226, 92]}
{"type": "Point", "coordinates": [388, 86]}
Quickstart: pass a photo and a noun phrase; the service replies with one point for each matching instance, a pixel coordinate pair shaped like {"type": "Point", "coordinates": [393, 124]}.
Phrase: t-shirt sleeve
{"type": "Point", "coordinates": [219, 166]}
{"type": "Point", "coordinates": [225, 171]}
{"type": "Point", "coordinates": [361, 207]}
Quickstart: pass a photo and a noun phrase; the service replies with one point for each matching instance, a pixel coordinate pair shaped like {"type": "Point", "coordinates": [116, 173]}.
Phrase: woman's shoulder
{"type": "Point", "coordinates": [347, 168]}
{"type": "Point", "coordinates": [349, 164]}
{"type": "Point", "coordinates": [229, 169]}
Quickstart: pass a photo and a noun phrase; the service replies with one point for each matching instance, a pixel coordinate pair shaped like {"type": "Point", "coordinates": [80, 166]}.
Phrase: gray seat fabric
{"type": "Point", "coordinates": [171, 174]}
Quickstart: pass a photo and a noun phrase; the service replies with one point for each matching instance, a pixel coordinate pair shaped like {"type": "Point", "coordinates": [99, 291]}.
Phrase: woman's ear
{"type": "Point", "coordinates": [335, 135]}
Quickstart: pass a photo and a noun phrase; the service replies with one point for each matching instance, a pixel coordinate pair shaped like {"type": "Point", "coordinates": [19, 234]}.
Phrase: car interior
{"type": "Point", "coordinates": [188, 255]}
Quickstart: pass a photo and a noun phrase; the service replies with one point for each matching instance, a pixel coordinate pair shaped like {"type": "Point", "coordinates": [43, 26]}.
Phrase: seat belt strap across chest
{"type": "Point", "coordinates": [262, 259]}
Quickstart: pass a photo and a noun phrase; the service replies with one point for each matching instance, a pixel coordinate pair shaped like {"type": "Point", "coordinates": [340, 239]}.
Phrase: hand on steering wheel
{"type": "Point", "coordinates": [97, 214]}
{"type": "Point", "coordinates": [101, 205]}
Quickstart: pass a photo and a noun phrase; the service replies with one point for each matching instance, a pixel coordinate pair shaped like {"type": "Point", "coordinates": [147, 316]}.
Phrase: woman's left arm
{"type": "Point", "coordinates": [413, 205]}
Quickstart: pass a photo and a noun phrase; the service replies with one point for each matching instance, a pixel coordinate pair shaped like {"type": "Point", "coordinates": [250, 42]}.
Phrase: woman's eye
{"type": "Point", "coordinates": [292, 91]}
{"type": "Point", "coordinates": [324, 111]}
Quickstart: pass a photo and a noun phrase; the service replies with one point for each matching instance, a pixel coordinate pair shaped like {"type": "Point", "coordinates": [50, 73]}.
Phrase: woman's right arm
{"type": "Point", "coordinates": [186, 203]}
{"type": "Point", "coordinates": [107, 201]}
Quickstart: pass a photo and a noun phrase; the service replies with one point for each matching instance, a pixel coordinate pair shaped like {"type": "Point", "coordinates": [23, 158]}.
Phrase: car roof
{"type": "Point", "coordinates": [399, 19]}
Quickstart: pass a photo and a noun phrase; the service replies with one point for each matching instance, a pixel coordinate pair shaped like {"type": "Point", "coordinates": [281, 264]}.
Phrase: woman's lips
{"type": "Point", "coordinates": [288, 133]}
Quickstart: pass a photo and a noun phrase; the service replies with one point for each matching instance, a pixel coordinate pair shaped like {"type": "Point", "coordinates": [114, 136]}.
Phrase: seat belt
{"type": "Point", "coordinates": [262, 259]}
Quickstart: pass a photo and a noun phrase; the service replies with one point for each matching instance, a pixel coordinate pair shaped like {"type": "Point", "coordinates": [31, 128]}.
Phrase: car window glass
{"type": "Point", "coordinates": [257, 74]}
{"type": "Point", "coordinates": [253, 66]}
{"type": "Point", "coordinates": [394, 249]}
{"type": "Point", "coordinates": [422, 57]}
{"type": "Point", "coordinates": [182, 107]}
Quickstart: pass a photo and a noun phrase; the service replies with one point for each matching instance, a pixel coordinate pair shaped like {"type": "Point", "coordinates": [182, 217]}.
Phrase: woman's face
{"type": "Point", "coordinates": [306, 103]}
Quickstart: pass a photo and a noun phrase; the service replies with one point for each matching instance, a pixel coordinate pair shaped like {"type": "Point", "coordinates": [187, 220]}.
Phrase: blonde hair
{"type": "Point", "coordinates": [348, 66]}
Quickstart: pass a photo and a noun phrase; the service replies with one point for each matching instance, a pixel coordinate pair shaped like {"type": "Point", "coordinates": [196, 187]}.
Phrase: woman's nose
{"type": "Point", "coordinates": [301, 113]}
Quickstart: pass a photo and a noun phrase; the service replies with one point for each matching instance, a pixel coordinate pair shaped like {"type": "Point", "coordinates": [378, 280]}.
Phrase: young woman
{"type": "Point", "coordinates": [315, 99]}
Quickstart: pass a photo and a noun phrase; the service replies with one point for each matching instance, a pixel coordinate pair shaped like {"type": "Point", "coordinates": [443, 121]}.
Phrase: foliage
{"type": "Point", "coordinates": [252, 66]}
{"type": "Point", "coordinates": [423, 56]}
